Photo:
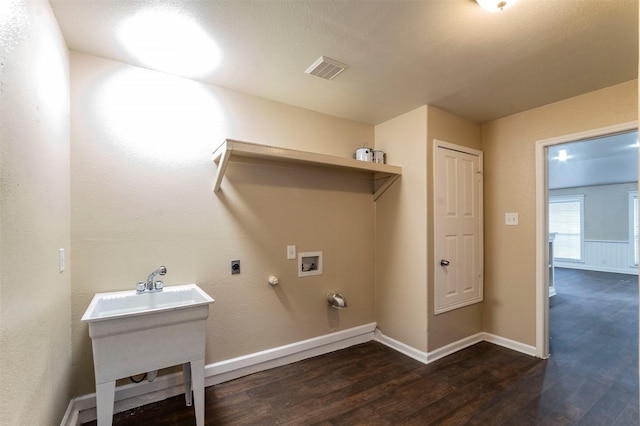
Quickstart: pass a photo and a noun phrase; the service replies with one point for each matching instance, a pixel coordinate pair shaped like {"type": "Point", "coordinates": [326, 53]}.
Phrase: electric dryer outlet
{"type": "Point", "coordinates": [235, 267]}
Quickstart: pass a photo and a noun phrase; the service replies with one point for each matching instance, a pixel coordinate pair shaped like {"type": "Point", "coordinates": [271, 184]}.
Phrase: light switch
{"type": "Point", "coordinates": [291, 252]}
{"type": "Point", "coordinates": [511, 219]}
{"type": "Point", "coordinates": [61, 260]}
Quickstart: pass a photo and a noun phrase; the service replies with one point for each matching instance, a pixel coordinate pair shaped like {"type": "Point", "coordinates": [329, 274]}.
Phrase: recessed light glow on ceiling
{"type": "Point", "coordinates": [159, 119]}
{"type": "Point", "coordinates": [14, 20]}
{"type": "Point", "coordinates": [495, 5]}
{"type": "Point", "coordinates": [169, 41]}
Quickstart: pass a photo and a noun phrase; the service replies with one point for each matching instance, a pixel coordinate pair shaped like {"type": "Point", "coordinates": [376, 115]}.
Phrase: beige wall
{"type": "Point", "coordinates": [141, 179]}
{"type": "Point", "coordinates": [137, 202]}
{"type": "Point", "coordinates": [401, 231]}
{"type": "Point", "coordinates": [459, 323]}
{"type": "Point", "coordinates": [35, 341]}
{"type": "Point", "coordinates": [404, 219]}
{"type": "Point", "coordinates": [510, 179]}
{"type": "Point", "coordinates": [404, 232]}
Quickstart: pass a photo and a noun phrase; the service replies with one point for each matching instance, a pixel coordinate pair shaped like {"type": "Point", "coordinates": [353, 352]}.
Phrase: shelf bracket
{"type": "Point", "coordinates": [389, 180]}
{"type": "Point", "coordinates": [221, 156]}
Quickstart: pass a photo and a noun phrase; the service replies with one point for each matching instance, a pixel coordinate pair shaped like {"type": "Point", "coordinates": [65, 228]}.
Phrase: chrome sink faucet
{"type": "Point", "coordinates": [151, 285]}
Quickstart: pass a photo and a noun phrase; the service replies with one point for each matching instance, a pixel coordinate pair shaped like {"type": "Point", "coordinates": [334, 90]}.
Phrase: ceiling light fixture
{"type": "Point", "coordinates": [562, 155]}
{"type": "Point", "coordinates": [495, 5]}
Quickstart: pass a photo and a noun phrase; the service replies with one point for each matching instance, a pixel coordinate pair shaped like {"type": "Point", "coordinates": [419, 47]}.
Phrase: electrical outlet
{"type": "Point", "coordinates": [511, 219]}
{"type": "Point", "coordinates": [235, 267]}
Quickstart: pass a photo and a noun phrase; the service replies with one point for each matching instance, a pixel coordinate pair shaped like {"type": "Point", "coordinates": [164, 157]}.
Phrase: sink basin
{"type": "Point", "coordinates": [133, 333]}
{"type": "Point", "coordinates": [120, 304]}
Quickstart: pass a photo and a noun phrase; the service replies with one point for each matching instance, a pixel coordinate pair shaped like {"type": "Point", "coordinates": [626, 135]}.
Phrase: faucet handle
{"type": "Point", "coordinates": [140, 287]}
{"type": "Point", "coordinates": [158, 285]}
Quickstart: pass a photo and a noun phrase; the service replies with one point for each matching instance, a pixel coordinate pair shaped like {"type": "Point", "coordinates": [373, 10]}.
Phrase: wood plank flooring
{"type": "Point", "coordinates": [590, 379]}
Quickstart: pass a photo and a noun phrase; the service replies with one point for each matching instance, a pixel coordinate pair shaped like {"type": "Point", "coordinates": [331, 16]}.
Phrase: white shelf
{"type": "Point", "coordinates": [382, 175]}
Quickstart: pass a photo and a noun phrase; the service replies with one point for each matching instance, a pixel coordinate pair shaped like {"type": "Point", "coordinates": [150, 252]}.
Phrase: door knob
{"type": "Point", "coordinates": [444, 262]}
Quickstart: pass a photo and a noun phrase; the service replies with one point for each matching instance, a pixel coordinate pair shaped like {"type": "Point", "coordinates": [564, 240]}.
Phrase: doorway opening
{"type": "Point", "coordinates": [562, 173]}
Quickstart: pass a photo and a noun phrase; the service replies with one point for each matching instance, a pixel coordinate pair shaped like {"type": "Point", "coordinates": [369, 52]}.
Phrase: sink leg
{"type": "Point", "coordinates": [197, 377]}
{"type": "Point", "coordinates": [186, 375]}
{"type": "Point", "coordinates": [105, 394]}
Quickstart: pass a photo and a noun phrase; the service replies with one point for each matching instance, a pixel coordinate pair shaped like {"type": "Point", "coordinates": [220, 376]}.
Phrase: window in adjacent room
{"type": "Point", "coordinates": [566, 220]}
{"type": "Point", "coordinates": [633, 225]}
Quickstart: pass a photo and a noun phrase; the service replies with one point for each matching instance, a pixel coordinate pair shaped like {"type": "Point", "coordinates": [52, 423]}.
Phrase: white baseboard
{"type": "Point", "coordinates": [128, 396]}
{"type": "Point", "coordinates": [509, 344]}
{"type": "Point", "coordinates": [409, 351]}
{"type": "Point", "coordinates": [71, 416]}
{"type": "Point", "coordinates": [630, 270]}
{"type": "Point", "coordinates": [82, 409]}
{"type": "Point", "coordinates": [429, 357]}
{"type": "Point", "coordinates": [454, 347]}
{"type": "Point", "coordinates": [237, 367]}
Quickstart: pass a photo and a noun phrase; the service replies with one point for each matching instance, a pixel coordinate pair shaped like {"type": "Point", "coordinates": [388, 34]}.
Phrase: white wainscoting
{"type": "Point", "coordinates": [604, 256]}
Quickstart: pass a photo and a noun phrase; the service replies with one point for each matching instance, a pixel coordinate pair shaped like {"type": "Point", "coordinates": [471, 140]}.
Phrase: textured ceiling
{"type": "Point", "coordinates": [401, 54]}
{"type": "Point", "coordinates": [601, 161]}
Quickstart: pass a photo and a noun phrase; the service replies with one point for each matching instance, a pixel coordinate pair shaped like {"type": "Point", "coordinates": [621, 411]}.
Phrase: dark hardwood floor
{"type": "Point", "coordinates": [591, 377]}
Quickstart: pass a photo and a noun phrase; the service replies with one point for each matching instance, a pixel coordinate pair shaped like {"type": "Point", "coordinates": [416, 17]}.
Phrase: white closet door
{"type": "Point", "coordinates": [458, 227]}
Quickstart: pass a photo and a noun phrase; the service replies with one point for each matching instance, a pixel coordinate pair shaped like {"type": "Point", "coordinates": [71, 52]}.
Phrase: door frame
{"type": "Point", "coordinates": [542, 233]}
{"type": "Point", "coordinates": [437, 143]}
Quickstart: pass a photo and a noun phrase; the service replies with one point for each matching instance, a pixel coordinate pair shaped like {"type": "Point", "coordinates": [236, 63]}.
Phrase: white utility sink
{"type": "Point", "coordinates": [119, 304]}
{"type": "Point", "coordinates": [133, 333]}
